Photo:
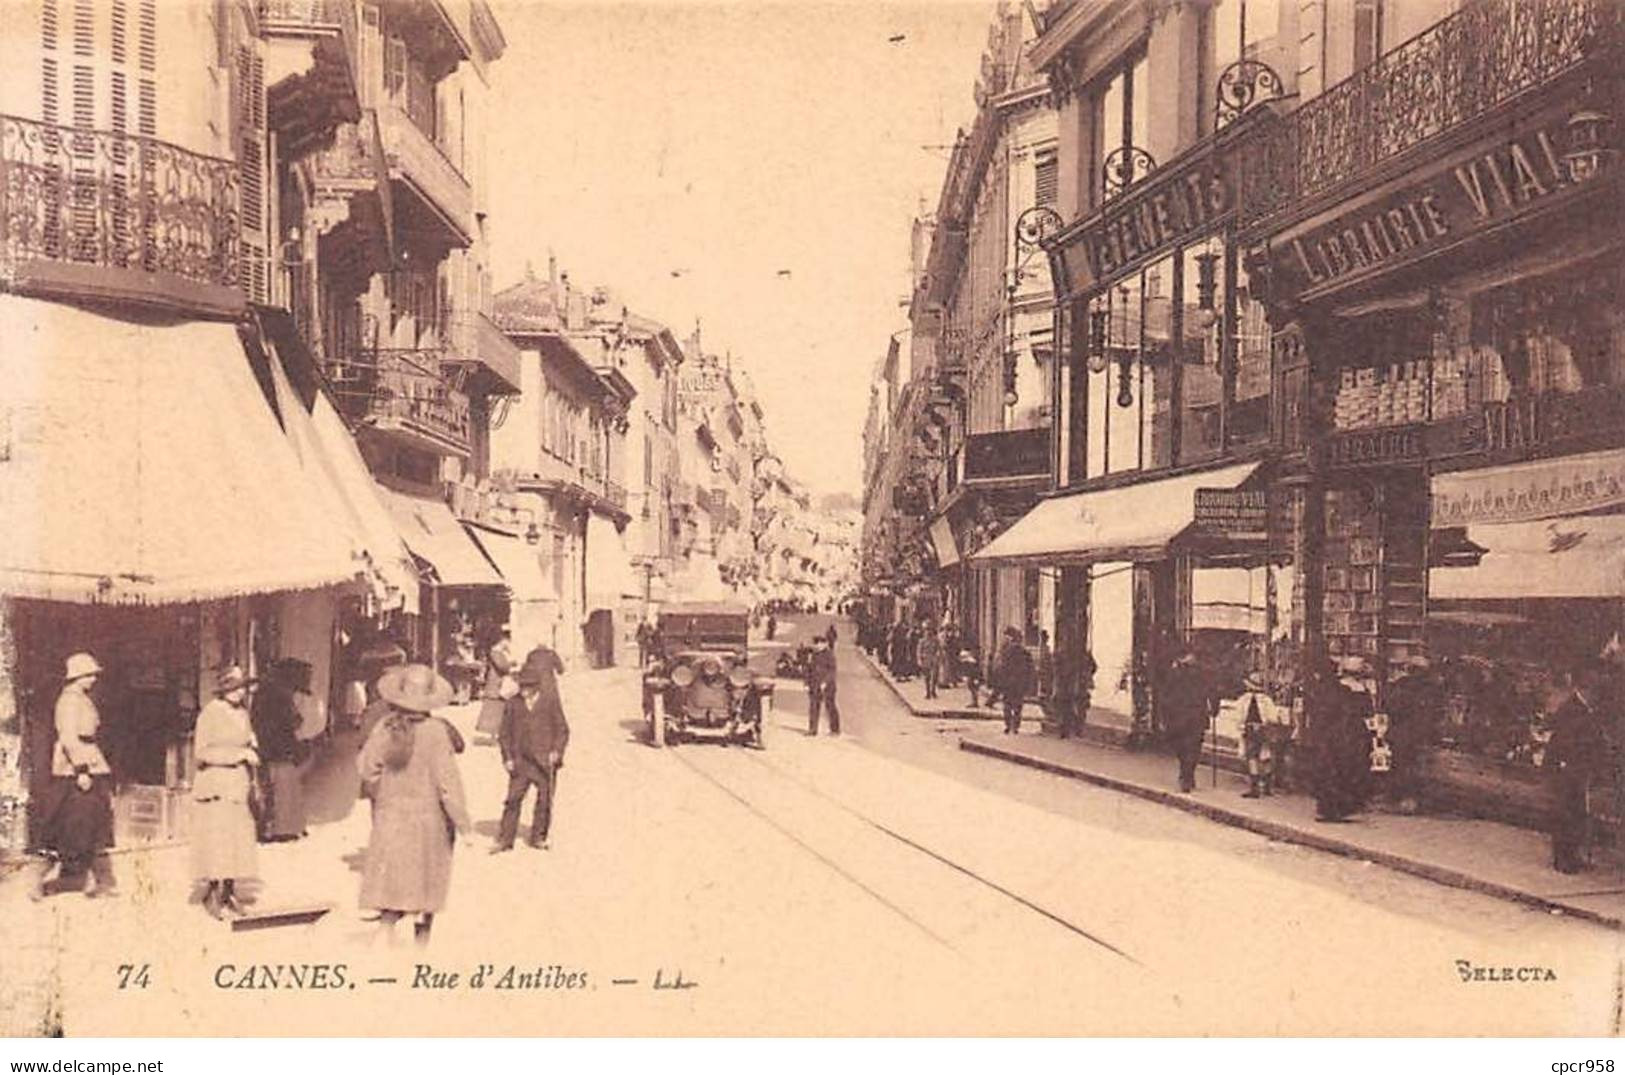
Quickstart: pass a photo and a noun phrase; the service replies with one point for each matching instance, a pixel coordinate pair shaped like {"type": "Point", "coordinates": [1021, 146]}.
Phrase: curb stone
{"type": "Point", "coordinates": [1274, 830]}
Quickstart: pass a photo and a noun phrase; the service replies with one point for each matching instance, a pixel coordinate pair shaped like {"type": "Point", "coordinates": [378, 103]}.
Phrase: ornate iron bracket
{"type": "Point", "coordinates": [1123, 167]}
{"type": "Point", "coordinates": [1244, 85]}
{"type": "Point", "coordinates": [1033, 226]}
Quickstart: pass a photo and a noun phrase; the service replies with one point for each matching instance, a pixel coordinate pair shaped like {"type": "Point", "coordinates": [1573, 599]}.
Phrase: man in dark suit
{"type": "Point", "coordinates": [1187, 708]}
{"type": "Point", "coordinates": [533, 737]}
{"type": "Point", "coordinates": [821, 687]}
{"type": "Point", "coordinates": [1572, 756]}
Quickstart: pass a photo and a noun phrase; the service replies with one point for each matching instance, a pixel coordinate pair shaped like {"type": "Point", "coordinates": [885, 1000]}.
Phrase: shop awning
{"type": "Point", "coordinates": [141, 464]}
{"type": "Point", "coordinates": [1131, 522]}
{"type": "Point", "coordinates": [942, 540]}
{"type": "Point", "coordinates": [1582, 556]}
{"type": "Point", "coordinates": [519, 562]}
{"type": "Point", "coordinates": [1524, 492]}
{"type": "Point", "coordinates": [436, 537]}
{"type": "Point", "coordinates": [337, 476]}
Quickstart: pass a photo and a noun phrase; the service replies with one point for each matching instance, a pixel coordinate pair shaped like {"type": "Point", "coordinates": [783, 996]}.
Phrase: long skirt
{"type": "Point", "coordinates": [408, 863]}
{"type": "Point", "coordinates": [490, 719]}
{"type": "Point", "coordinates": [287, 806]}
{"type": "Point", "coordinates": [223, 841]}
{"type": "Point", "coordinates": [79, 823]}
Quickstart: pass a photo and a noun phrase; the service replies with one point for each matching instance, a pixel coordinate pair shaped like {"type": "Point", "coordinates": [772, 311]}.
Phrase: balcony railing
{"type": "Point", "coordinates": [115, 201]}
{"type": "Point", "coordinates": [402, 391]}
{"type": "Point", "coordinates": [423, 164]}
{"type": "Point", "coordinates": [1457, 70]}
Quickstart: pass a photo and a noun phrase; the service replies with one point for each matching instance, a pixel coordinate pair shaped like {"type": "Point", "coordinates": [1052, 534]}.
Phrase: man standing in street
{"type": "Point", "coordinates": [821, 687]}
{"type": "Point", "coordinates": [534, 735]}
{"type": "Point", "coordinates": [79, 825]}
{"type": "Point", "coordinates": [1013, 679]}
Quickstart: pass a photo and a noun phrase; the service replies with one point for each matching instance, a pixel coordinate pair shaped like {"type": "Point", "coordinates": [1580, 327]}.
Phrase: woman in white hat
{"type": "Point", "coordinates": [409, 770]}
{"type": "Point", "coordinates": [79, 814]}
{"type": "Point", "coordinates": [223, 837]}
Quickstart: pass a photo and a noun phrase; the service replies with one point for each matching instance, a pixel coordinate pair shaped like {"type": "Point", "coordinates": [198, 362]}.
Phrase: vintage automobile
{"type": "Point", "coordinates": [700, 685]}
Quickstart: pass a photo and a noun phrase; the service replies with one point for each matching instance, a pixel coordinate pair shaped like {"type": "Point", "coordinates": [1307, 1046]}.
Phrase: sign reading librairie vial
{"type": "Point", "coordinates": [1233, 513]}
{"type": "Point", "coordinates": [1449, 201]}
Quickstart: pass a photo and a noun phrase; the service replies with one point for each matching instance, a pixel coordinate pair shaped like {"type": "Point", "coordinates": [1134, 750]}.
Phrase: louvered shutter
{"type": "Point", "coordinates": [253, 210]}
{"type": "Point", "coordinates": [1046, 180]}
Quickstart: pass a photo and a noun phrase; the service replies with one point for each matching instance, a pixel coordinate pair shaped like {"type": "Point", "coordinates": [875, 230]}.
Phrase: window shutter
{"type": "Point", "coordinates": [251, 154]}
{"type": "Point", "coordinates": [1367, 33]}
{"type": "Point", "coordinates": [1046, 180]}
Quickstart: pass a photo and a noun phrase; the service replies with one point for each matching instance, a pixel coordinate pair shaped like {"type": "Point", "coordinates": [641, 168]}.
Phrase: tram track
{"type": "Point", "coordinates": [875, 825]}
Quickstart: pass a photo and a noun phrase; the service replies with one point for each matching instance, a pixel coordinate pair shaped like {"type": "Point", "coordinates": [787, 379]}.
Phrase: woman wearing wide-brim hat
{"type": "Point", "coordinates": [408, 769]}
{"type": "Point", "coordinates": [224, 843]}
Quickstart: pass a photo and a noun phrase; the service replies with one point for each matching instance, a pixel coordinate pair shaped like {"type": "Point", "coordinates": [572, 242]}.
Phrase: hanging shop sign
{"type": "Point", "coordinates": [1449, 201]}
{"type": "Point", "coordinates": [1176, 205]}
{"type": "Point", "coordinates": [1238, 514]}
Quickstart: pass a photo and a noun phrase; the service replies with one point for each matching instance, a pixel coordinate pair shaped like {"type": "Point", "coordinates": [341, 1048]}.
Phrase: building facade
{"type": "Point", "coordinates": [168, 264]}
{"type": "Point", "coordinates": [1338, 340]}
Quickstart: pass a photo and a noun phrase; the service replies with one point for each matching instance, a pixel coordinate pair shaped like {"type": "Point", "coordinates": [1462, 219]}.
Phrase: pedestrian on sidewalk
{"type": "Point", "coordinates": [499, 684]}
{"type": "Point", "coordinates": [1013, 678]}
{"type": "Point", "coordinates": [224, 848]}
{"type": "Point", "coordinates": [78, 811]}
{"type": "Point", "coordinates": [408, 769]}
{"type": "Point", "coordinates": [821, 687]}
{"type": "Point", "coordinates": [534, 735]}
{"type": "Point", "coordinates": [1342, 740]}
{"type": "Point", "coordinates": [1189, 703]}
{"type": "Point", "coordinates": [1075, 708]}
{"type": "Point", "coordinates": [1260, 714]}
{"type": "Point", "coordinates": [275, 718]}
{"type": "Point", "coordinates": [772, 625]}
{"type": "Point", "coordinates": [831, 634]}
{"type": "Point", "coordinates": [1414, 702]}
{"type": "Point", "coordinates": [930, 654]}
{"type": "Point", "coordinates": [1573, 756]}
{"type": "Point", "coordinates": [1046, 670]}
{"type": "Point", "coordinates": [950, 654]}
{"type": "Point", "coordinates": [970, 666]}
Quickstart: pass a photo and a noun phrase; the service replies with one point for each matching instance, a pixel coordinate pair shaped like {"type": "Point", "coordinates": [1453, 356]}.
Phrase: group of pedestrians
{"type": "Point", "coordinates": [247, 787]}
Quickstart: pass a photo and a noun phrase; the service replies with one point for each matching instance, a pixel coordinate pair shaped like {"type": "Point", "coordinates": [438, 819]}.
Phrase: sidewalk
{"type": "Point", "coordinates": [1483, 856]}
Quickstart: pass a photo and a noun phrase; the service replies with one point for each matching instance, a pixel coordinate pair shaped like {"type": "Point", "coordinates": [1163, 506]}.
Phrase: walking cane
{"type": "Point", "coordinates": [1213, 745]}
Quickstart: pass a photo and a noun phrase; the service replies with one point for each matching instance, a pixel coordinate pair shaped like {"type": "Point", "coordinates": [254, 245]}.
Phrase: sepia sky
{"type": "Point", "coordinates": [728, 143]}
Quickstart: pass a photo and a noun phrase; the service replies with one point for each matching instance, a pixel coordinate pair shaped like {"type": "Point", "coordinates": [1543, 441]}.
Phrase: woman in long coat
{"type": "Point", "coordinates": [276, 721]}
{"type": "Point", "coordinates": [223, 841]}
{"type": "Point", "coordinates": [409, 771]}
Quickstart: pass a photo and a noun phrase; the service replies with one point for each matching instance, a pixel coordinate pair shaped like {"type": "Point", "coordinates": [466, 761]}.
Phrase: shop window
{"type": "Point", "coordinates": [1201, 384]}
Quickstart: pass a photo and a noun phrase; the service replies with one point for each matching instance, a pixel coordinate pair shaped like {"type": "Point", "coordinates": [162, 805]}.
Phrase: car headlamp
{"type": "Point", "coordinates": [682, 675]}
{"type": "Point", "coordinates": [740, 676]}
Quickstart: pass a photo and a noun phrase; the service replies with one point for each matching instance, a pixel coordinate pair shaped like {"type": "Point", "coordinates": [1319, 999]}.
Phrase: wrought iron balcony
{"type": "Point", "coordinates": [402, 393]}
{"type": "Point", "coordinates": [115, 216]}
{"type": "Point", "coordinates": [1458, 70]}
{"type": "Point", "coordinates": [439, 198]}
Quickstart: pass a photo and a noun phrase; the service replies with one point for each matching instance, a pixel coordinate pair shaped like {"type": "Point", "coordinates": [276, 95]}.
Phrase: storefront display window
{"type": "Point", "coordinates": [1250, 405]}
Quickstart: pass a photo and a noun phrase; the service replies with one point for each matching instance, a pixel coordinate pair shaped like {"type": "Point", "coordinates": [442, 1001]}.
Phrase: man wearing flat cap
{"type": "Point", "coordinates": [533, 737]}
